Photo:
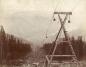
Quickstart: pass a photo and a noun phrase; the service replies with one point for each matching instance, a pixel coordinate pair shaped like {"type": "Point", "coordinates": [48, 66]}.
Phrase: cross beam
{"type": "Point", "coordinates": [69, 13]}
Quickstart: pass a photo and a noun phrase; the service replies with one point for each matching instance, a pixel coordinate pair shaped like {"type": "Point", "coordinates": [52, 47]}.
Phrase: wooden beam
{"type": "Point", "coordinates": [61, 55]}
{"type": "Point", "coordinates": [56, 63]}
{"type": "Point", "coordinates": [70, 13]}
{"type": "Point", "coordinates": [47, 58]}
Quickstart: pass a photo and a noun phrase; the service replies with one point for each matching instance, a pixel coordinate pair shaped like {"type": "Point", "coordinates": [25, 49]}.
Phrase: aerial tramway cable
{"type": "Point", "coordinates": [53, 17]}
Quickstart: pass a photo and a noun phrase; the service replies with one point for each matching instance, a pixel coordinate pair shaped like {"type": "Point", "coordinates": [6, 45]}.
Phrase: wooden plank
{"type": "Point", "coordinates": [62, 12]}
{"type": "Point", "coordinates": [61, 55]}
{"type": "Point", "coordinates": [47, 58]}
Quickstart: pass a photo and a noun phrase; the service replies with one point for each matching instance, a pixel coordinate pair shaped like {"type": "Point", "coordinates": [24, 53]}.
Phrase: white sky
{"type": "Point", "coordinates": [31, 18]}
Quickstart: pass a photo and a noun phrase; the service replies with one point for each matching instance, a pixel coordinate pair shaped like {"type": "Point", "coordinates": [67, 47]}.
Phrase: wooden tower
{"type": "Point", "coordinates": [49, 58]}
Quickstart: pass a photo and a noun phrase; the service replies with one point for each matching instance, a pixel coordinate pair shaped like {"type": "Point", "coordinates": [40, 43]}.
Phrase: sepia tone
{"type": "Point", "coordinates": [42, 33]}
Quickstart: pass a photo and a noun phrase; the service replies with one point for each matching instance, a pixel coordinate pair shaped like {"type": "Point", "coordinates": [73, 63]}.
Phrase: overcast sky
{"type": "Point", "coordinates": [30, 19]}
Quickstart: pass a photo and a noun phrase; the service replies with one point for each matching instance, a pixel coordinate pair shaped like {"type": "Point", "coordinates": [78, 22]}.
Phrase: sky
{"type": "Point", "coordinates": [31, 19]}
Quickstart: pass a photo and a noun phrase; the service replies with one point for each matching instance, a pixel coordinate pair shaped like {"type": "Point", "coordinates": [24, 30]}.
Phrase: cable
{"type": "Point", "coordinates": [75, 6]}
{"type": "Point", "coordinates": [53, 14]}
{"type": "Point", "coordinates": [57, 5]}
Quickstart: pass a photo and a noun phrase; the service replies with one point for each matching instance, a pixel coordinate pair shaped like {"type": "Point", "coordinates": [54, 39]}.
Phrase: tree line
{"type": "Point", "coordinates": [12, 49]}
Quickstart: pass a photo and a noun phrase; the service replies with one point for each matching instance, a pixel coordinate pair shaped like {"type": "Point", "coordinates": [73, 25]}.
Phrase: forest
{"type": "Point", "coordinates": [12, 49]}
